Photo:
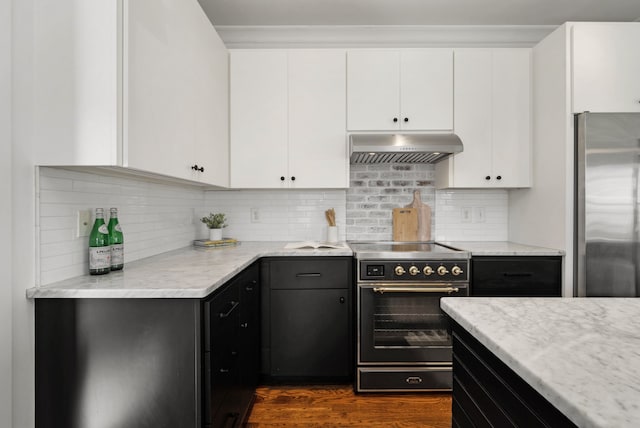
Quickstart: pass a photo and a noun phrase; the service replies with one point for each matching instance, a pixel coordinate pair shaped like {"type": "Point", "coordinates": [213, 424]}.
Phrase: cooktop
{"type": "Point", "coordinates": [405, 250]}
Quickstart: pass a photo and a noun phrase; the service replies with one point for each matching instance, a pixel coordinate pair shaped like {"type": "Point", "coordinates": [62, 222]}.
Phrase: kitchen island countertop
{"type": "Point", "coordinates": [581, 354]}
{"type": "Point", "coordinates": [191, 272]}
{"type": "Point", "coordinates": [501, 248]}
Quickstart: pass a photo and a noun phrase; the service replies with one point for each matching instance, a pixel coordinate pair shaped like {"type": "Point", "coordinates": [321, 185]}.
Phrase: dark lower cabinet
{"type": "Point", "coordinates": [516, 276]}
{"type": "Point", "coordinates": [118, 363]}
{"type": "Point", "coordinates": [232, 350]}
{"type": "Point", "coordinates": [307, 311]}
{"type": "Point", "coordinates": [487, 393]}
{"type": "Point", "coordinates": [174, 363]}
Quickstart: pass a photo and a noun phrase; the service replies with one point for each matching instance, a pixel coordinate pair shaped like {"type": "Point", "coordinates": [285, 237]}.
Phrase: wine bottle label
{"type": "Point", "coordinates": [99, 257]}
{"type": "Point", "coordinates": [117, 254]}
{"type": "Point", "coordinates": [118, 228]}
{"type": "Point", "coordinates": [103, 229]}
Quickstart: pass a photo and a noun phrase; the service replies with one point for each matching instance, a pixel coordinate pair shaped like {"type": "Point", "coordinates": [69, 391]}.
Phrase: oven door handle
{"type": "Point", "coordinates": [383, 290]}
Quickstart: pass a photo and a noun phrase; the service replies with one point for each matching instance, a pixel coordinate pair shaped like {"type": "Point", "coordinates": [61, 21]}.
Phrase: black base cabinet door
{"type": "Point", "coordinates": [232, 350]}
{"type": "Point", "coordinates": [307, 325]}
{"type": "Point", "coordinates": [516, 276]}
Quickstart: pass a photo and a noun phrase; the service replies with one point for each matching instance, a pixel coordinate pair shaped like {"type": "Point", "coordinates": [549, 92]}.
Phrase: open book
{"type": "Point", "coordinates": [314, 245]}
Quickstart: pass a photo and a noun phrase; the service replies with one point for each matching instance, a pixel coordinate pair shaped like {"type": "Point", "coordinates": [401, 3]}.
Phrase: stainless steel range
{"type": "Point", "coordinates": [404, 339]}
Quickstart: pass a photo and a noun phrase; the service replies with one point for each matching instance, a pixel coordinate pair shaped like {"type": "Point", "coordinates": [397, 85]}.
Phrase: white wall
{"type": "Point", "coordinates": [542, 215]}
{"type": "Point", "coordinates": [5, 215]}
{"type": "Point", "coordinates": [23, 185]}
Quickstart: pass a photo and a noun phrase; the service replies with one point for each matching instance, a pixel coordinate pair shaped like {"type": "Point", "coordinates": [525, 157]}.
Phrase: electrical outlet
{"type": "Point", "coordinates": [255, 215]}
{"type": "Point", "coordinates": [478, 215]}
{"type": "Point", "coordinates": [83, 223]}
{"type": "Point", "coordinates": [465, 215]}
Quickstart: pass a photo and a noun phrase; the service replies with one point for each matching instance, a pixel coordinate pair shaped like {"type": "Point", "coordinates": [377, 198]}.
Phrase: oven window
{"type": "Point", "coordinates": [414, 320]}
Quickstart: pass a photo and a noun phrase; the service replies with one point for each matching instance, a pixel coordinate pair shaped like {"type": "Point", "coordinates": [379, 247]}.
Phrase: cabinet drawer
{"type": "Point", "coordinates": [221, 318]}
{"type": "Point", "coordinates": [310, 273]}
{"type": "Point", "coordinates": [532, 276]}
{"type": "Point", "coordinates": [374, 379]}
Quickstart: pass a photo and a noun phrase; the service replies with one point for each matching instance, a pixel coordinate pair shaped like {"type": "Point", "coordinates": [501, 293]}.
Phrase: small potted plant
{"type": "Point", "coordinates": [215, 223]}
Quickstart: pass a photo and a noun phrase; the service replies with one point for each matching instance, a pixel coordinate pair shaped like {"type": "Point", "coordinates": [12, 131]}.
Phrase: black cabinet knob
{"type": "Point", "coordinates": [406, 119]}
{"type": "Point", "coordinates": [195, 168]}
{"type": "Point", "coordinates": [488, 177]}
{"type": "Point", "coordinates": [342, 300]}
{"type": "Point", "coordinates": [395, 119]}
{"type": "Point", "coordinates": [293, 178]}
{"type": "Point", "coordinates": [499, 177]}
{"type": "Point", "coordinates": [281, 178]}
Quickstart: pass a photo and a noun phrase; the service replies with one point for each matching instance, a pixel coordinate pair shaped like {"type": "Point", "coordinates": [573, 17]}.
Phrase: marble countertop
{"type": "Point", "coordinates": [581, 354]}
{"type": "Point", "coordinates": [501, 248]}
{"type": "Point", "coordinates": [191, 272]}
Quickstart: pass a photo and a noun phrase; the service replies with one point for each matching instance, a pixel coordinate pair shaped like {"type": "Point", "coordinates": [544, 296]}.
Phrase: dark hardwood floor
{"type": "Point", "coordinates": [338, 406]}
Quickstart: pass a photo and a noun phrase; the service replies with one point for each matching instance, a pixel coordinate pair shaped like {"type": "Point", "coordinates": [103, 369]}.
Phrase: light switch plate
{"type": "Point", "coordinates": [83, 223]}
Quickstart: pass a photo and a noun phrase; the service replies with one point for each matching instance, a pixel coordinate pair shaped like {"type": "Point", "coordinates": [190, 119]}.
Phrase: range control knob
{"type": "Point", "coordinates": [456, 270]}
{"type": "Point", "coordinates": [428, 270]}
{"type": "Point", "coordinates": [442, 270]}
{"type": "Point", "coordinates": [413, 271]}
{"type": "Point", "coordinates": [399, 270]}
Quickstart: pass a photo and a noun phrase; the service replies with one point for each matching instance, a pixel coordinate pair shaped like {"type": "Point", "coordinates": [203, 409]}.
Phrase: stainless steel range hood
{"type": "Point", "coordinates": [403, 148]}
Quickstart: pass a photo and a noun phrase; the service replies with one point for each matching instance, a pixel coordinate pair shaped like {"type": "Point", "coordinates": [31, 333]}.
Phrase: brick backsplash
{"type": "Point", "coordinates": [376, 189]}
{"type": "Point", "coordinates": [159, 217]}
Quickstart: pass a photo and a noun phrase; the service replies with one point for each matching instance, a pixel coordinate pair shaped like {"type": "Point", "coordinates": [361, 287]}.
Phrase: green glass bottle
{"type": "Point", "coordinates": [116, 239]}
{"type": "Point", "coordinates": [99, 248]}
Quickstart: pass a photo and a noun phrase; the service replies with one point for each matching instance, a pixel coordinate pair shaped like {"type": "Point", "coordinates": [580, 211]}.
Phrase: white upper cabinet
{"type": "Point", "coordinates": [288, 119]}
{"type": "Point", "coordinates": [144, 86]}
{"type": "Point", "coordinates": [258, 117]}
{"type": "Point", "coordinates": [493, 120]}
{"type": "Point", "coordinates": [606, 67]}
{"type": "Point", "coordinates": [408, 89]}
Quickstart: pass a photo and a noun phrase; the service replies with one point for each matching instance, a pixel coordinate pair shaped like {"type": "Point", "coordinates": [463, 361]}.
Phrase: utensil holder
{"type": "Point", "coordinates": [332, 234]}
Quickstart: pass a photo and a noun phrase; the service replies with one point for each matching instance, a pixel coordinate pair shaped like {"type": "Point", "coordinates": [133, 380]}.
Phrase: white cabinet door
{"type": "Point", "coordinates": [409, 89]}
{"type": "Point", "coordinates": [606, 67]}
{"type": "Point", "coordinates": [159, 131]}
{"type": "Point", "coordinates": [317, 116]}
{"type": "Point", "coordinates": [472, 101]}
{"type": "Point", "coordinates": [426, 89]}
{"type": "Point", "coordinates": [373, 90]}
{"type": "Point", "coordinates": [175, 92]}
{"type": "Point", "coordinates": [258, 117]}
{"type": "Point", "coordinates": [511, 122]}
{"type": "Point", "coordinates": [492, 118]}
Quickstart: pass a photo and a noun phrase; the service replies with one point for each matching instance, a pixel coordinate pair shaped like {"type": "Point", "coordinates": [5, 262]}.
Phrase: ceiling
{"type": "Point", "coordinates": [416, 12]}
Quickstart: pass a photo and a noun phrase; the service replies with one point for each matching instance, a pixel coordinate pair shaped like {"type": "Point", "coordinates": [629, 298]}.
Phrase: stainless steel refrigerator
{"type": "Point", "coordinates": [607, 234]}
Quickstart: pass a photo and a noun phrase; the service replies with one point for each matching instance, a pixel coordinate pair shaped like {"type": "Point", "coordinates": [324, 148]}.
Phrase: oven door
{"type": "Point", "coordinates": [404, 324]}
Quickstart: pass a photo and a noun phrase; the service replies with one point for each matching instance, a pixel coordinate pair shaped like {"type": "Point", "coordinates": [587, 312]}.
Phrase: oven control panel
{"type": "Point", "coordinates": [413, 270]}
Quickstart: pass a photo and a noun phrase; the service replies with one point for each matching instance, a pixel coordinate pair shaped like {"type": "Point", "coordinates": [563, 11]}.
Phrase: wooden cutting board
{"type": "Point", "coordinates": [423, 212]}
{"type": "Point", "coordinates": [405, 224]}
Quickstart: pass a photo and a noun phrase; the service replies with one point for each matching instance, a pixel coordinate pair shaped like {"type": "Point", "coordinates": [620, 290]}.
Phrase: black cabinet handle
{"type": "Point", "coordinates": [395, 119]}
{"type": "Point", "coordinates": [226, 314]}
{"type": "Point", "coordinates": [517, 274]}
{"type": "Point", "coordinates": [281, 178]}
{"type": "Point", "coordinates": [308, 275]}
{"type": "Point", "coordinates": [195, 168]}
{"type": "Point", "coordinates": [488, 177]}
{"type": "Point", "coordinates": [293, 178]}
{"type": "Point", "coordinates": [244, 325]}
{"type": "Point", "coordinates": [248, 288]}
{"type": "Point", "coordinates": [499, 177]}
{"type": "Point", "coordinates": [224, 370]}
{"type": "Point", "coordinates": [342, 300]}
{"type": "Point", "coordinates": [406, 119]}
